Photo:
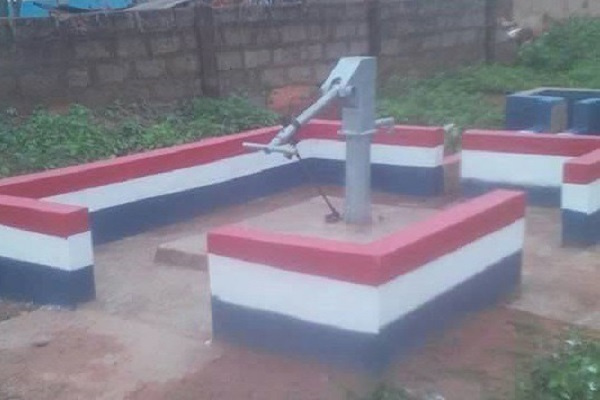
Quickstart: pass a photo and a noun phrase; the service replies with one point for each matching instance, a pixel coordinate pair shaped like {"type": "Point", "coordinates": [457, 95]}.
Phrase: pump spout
{"type": "Point", "coordinates": [352, 83]}
{"type": "Point", "coordinates": [286, 135]}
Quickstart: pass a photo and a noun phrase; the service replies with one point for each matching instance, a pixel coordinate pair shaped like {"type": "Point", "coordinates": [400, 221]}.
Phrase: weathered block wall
{"type": "Point", "coordinates": [164, 55]}
{"type": "Point", "coordinates": [96, 59]}
{"type": "Point", "coordinates": [296, 44]}
{"type": "Point", "coordinates": [539, 14]}
{"type": "Point", "coordinates": [429, 35]}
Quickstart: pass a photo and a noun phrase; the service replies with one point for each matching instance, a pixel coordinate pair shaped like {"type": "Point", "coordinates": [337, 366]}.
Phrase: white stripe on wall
{"type": "Point", "coordinates": [518, 169]}
{"type": "Point", "coordinates": [69, 254]}
{"type": "Point", "coordinates": [101, 197]}
{"type": "Point", "coordinates": [424, 157]}
{"type": "Point", "coordinates": [408, 292]}
{"type": "Point", "coordinates": [351, 306]}
{"type": "Point", "coordinates": [305, 297]}
{"type": "Point", "coordinates": [581, 198]}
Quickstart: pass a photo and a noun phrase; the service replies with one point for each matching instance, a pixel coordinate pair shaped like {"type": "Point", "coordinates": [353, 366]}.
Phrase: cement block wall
{"type": "Point", "coordinates": [166, 55]}
{"type": "Point", "coordinates": [96, 59]}
{"type": "Point", "coordinates": [537, 14]}
{"type": "Point", "coordinates": [266, 48]}
{"type": "Point", "coordinates": [426, 36]}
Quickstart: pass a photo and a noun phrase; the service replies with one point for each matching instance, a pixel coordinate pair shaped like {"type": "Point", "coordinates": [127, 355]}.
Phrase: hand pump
{"type": "Point", "coordinates": [352, 83]}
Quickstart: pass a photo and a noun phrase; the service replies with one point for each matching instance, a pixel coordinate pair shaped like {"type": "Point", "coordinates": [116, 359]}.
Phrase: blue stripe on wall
{"type": "Point", "coordinates": [531, 112]}
{"type": "Point", "coordinates": [129, 219]}
{"type": "Point", "coordinates": [290, 336]}
{"type": "Point", "coordinates": [413, 181]}
{"type": "Point", "coordinates": [580, 229]}
{"type": "Point", "coordinates": [45, 285]}
{"type": "Point", "coordinates": [544, 196]}
{"type": "Point", "coordinates": [416, 181]}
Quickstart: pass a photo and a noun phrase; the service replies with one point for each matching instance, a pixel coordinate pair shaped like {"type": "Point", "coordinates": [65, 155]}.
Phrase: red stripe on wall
{"type": "Point", "coordinates": [402, 135]}
{"type": "Point", "coordinates": [448, 231]}
{"type": "Point", "coordinates": [120, 169]}
{"type": "Point", "coordinates": [70, 179]}
{"type": "Point", "coordinates": [42, 217]}
{"type": "Point", "coordinates": [529, 143]}
{"type": "Point", "coordinates": [417, 136]}
{"type": "Point", "coordinates": [351, 262]}
{"type": "Point", "coordinates": [584, 169]}
{"type": "Point", "coordinates": [380, 261]}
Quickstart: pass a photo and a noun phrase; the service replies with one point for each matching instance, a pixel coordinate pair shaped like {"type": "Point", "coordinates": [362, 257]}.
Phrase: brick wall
{"type": "Point", "coordinates": [165, 55]}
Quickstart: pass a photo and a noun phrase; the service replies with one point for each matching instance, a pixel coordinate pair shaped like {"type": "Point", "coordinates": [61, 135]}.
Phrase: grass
{"type": "Point", "coordinates": [473, 97]}
{"type": "Point", "coordinates": [567, 56]}
{"type": "Point", "coordinates": [570, 373]}
{"type": "Point", "coordinates": [45, 140]}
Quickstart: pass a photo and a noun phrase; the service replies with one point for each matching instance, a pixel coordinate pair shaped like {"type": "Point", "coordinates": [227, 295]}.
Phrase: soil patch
{"type": "Point", "coordinates": [10, 309]}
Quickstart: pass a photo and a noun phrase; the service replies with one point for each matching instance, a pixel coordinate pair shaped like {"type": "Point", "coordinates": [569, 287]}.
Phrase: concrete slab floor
{"type": "Point", "coordinates": [148, 334]}
{"type": "Point", "coordinates": [190, 251]}
{"type": "Point", "coordinates": [307, 218]}
{"type": "Point", "coordinates": [304, 219]}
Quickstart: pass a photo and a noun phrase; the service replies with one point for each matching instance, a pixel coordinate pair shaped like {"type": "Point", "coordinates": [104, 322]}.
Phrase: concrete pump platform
{"type": "Point", "coordinates": [148, 333]}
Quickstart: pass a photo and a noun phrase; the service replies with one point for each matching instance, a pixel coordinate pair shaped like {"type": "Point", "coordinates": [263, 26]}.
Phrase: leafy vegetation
{"type": "Point", "coordinates": [45, 140]}
{"type": "Point", "coordinates": [572, 373]}
{"type": "Point", "coordinates": [384, 392]}
{"type": "Point", "coordinates": [568, 56]}
{"type": "Point", "coordinates": [565, 46]}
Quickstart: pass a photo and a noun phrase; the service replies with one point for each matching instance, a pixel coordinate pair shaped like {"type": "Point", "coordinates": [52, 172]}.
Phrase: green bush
{"type": "Point", "coordinates": [564, 46]}
{"type": "Point", "coordinates": [45, 140]}
{"type": "Point", "coordinates": [227, 115]}
{"type": "Point", "coordinates": [572, 373]}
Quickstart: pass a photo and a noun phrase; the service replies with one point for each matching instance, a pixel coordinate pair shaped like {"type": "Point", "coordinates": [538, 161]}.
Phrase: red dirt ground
{"type": "Point", "coordinates": [477, 361]}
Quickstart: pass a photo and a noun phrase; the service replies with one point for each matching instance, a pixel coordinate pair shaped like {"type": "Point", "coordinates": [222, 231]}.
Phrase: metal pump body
{"type": "Point", "coordinates": [352, 83]}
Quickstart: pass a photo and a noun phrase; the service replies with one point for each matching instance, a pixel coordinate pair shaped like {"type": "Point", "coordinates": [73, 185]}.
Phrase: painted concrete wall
{"type": "Point", "coordinates": [524, 161]}
{"type": "Point", "coordinates": [358, 305]}
{"type": "Point", "coordinates": [553, 169]}
{"type": "Point", "coordinates": [62, 212]}
{"type": "Point", "coordinates": [580, 200]}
